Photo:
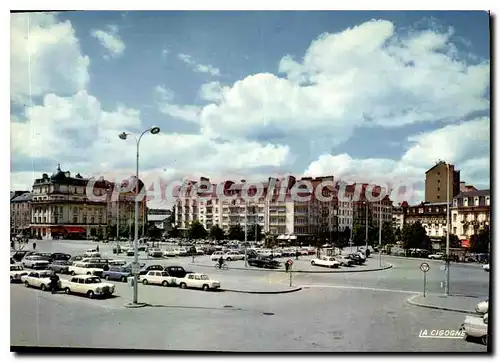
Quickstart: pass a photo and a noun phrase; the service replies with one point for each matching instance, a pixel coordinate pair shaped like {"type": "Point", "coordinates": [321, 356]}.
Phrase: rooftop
{"type": "Point", "coordinates": [474, 193]}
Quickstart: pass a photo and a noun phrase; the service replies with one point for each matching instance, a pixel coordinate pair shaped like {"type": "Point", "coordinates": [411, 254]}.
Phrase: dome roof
{"type": "Point", "coordinates": [58, 175]}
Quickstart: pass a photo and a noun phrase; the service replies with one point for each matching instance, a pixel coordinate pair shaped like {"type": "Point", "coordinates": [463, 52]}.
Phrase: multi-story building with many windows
{"type": "Point", "coordinates": [60, 206]}
{"type": "Point", "coordinates": [470, 212]}
{"type": "Point", "coordinates": [20, 213]}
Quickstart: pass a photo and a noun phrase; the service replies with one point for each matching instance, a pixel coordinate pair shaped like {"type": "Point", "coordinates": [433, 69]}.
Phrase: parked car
{"type": "Point", "coordinates": [118, 273]}
{"type": "Point", "coordinates": [486, 267]}
{"type": "Point", "coordinates": [37, 279]}
{"type": "Point", "coordinates": [46, 256]}
{"type": "Point", "coordinates": [344, 260]}
{"type": "Point", "coordinates": [98, 262]}
{"type": "Point", "coordinates": [117, 263]}
{"type": "Point", "coordinates": [482, 307]}
{"type": "Point", "coordinates": [358, 259]}
{"type": "Point", "coordinates": [76, 258]}
{"type": "Point", "coordinates": [60, 266]}
{"type": "Point", "coordinates": [117, 249]}
{"type": "Point", "coordinates": [84, 268]}
{"type": "Point", "coordinates": [436, 256]}
{"type": "Point", "coordinates": [92, 253]}
{"type": "Point", "coordinates": [157, 267]}
{"type": "Point", "coordinates": [130, 252]}
{"type": "Point", "coordinates": [88, 285]}
{"type": "Point", "coordinates": [234, 255]}
{"type": "Point", "coordinates": [199, 281]}
{"type": "Point", "coordinates": [263, 262]}
{"type": "Point", "coordinates": [12, 261]}
{"type": "Point", "coordinates": [476, 327]}
{"type": "Point", "coordinates": [60, 256]}
{"type": "Point", "coordinates": [155, 253]}
{"type": "Point", "coordinates": [16, 273]}
{"type": "Point", "coordinates": [158, 277]}
{"type": "Point", "coordinates": [35, 262]}
{"type": "Point", "coordinates": [177, 271]}
{"type": "Point", "coordinates": [21, 254]}
{"type": "Point", "coordinates": [216, 255]}
{"type": "Point", "coordinates": [327, 261]}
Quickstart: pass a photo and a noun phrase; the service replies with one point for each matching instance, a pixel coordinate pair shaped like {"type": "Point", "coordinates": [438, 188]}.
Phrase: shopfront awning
{"type": "Point", "coordinates": [74, 230]}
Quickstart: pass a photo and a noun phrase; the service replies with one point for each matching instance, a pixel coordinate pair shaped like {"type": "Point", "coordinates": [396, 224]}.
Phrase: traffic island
{"type": "Point", "coordinates": [274, 290]}
{"type": "Point", "coordinates": [450, 303]}
{"type": "Point", "coordinates": [135, 305]}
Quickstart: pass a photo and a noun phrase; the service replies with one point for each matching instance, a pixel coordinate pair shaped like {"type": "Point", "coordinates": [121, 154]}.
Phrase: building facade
{"type": "Point", "coordinates": [20, 213]}
{"type": "Point", "coordinates": [60, 206]}
{"type": "Point", "coordinates": [432, 216]}
{"type": "Point", "coordinates": [436, 182]}
{"type": "Point", "coordinates": [470, 212]}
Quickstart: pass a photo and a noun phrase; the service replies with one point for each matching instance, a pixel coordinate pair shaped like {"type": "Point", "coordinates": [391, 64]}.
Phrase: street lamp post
{"type": "Point", "coordinates": [246, 263]}
{"type": "Point", "coordinates": [366, 228]}
{"type": "Point", "coordinates": [447, 286]}
{"type": "Point", "coordinates": [123, 136]}
{"type": "Point", "coordinates": [380, 234]}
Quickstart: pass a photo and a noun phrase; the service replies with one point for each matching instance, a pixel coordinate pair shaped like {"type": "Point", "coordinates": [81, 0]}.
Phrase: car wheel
{"type": "Point", "coordinates": [123, 279]}
{"type": "Point", "coordinates": [484, 339]}
{"type": "Point", "coordinates": [229, 259]}
{"type": "Point", "coordinates": [73, 273]}
{"type": "Point", "coordinates": [43, 287]}
{"type": "Point", "coordinates": [313, 263]}
{"type": "Point", "coordinates": [145, 282]}
{"type": "Point", "coordinates": [89, 273]}
{"type": "Point", "coordinates": [90, 294]}
{"type": "Point", "coordinates": [165, 283]}
{"type": "Point", "coordinates": [183, 285]}
{"type": "Point", "coordinates": [205, 287]}
{"type": "Point", "coordinates": [67, 291]}
{"type": "Point", "coordinates": [26, 284]}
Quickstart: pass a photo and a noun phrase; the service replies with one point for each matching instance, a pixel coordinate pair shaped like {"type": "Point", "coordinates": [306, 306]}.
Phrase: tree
{"type": "Point", "coordinates": [236, 232]}
{"type": "Point", "coordinates": [100, 234]}
{"type": "Point", "coordinates": [358, 234]}
{"type": "Point", "coordinates": [216, 233]}
{"type": "Point", "coordinates": [388, 236]}
{"type": "Point", "coordinates": [397, 234]}
{"type": "Point", "coordinates": [415, 236]}
{"type": "Point", "coordinates": [196, 231]}
{"type": "Point", "coordinates": [454, 241]}
{"type": "Point", "coordinates": [153, 232]}
{"type": "Point", "coordinates": [345, 236]}
{"type": "Point", "coordinates": [174, 232]}
{"type": "Point", "coordinates": [479, 242]}
{"type": "Point", "coordinates": [254, 232]}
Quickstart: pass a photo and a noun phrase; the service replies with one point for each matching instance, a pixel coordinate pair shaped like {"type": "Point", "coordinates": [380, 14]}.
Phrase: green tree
{"type": "Point", "coordinates": [196, 231]}
{"type": "Point", "coordinates": [415, 236]}
{"type": "Point", "coordinates": [358, 234]}
{"type": "Point", "coordinates": [271, 241]}
{"type": "Point", "coordinates": [174, 232]}
{"type": "Point", "coordinates": [454, 241]}
{"type": "Point", "coordinates": [345, 236]}
{"type": "Point", "coordinates": [479, 243]}
{"type": "Point", "coordinates": [236, 232]}
{"type": "Point", "coordinates": [388, 236]}
{"type": "Point", "coordinates": [153, 232]}
{"type": "Point", "coordinates": [397, 234]}
{"type": "Point", "coordinates": [254, 232]}
{"type": "Point", "coordinates": [216, 233]}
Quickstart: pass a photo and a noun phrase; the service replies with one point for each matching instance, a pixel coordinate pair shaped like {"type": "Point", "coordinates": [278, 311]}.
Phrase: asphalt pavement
{"type": "Point", "coordinates": [360, 312]}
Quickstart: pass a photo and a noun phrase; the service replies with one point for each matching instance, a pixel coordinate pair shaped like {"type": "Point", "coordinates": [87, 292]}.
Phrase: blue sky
{"type": "Point", "coordinates": [261, 111]}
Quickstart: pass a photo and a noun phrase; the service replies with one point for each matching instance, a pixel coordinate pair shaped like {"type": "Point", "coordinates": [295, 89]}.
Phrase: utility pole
{"type": "Point", "coordinates": [380, 234]}
{"type": "Point", "coordinates": [366, 227]}
{"type": "Point", "coordinates": [447, 287]}
{"type": "Point", "coordinates": [246, 263]}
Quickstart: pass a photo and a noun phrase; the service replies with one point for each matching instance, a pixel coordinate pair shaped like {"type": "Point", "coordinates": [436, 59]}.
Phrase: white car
{"type": "Point", "coordinates": [486, 267]}
{"type": "Point", "coordinates": [197, 280]}
{"type": "Point", "coordinates": [233, 255]}
{"type": "Point", "coordinates": [476, 327]}
{"type": "Point", "coordinates": [89, 253]}
{"type": "Point", "coordinates": [155, 253]}
{"type": "Point", "coordinates": [88, 285]}
{"type": "Point", "coordinates": [169, 252]}
{"type": "Point", "coordinates": [117, 263]}
{"type": "Point", "coordinates": [482, 307]}
{"type": "Point", "coordinates": [157, 277]}
{"type": "Point", "coordinates": [216, 255]}
{"type": "Point", "coordinates": [16, 273]}
{"type": "Point", "coordinates": [436, 256]}
{"type": "Point", "coordinates": [35, 262]}
{"type": "Point", "coordinates": [328, 261]}
{"type": "Point", "coordinates": [37, 279]}
{"type": "Point", "coordinates": [344, 260]}
{"type": "Point", "coordinates": [84, 268]}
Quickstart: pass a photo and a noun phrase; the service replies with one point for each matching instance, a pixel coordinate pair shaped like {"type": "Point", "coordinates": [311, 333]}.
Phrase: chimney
{"type": "Point", "coordinates": [462, 186]}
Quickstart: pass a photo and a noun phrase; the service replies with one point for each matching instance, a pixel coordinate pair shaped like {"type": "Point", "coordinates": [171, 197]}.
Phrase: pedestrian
{"type": "Point", "coordinates": [34, 245]}
{"type": "Point", "coordinates": [297, 254]}
{"type": "Point", "coordinates": [286, 267]}
{"type": "Point", "coordinates": [97, 248]}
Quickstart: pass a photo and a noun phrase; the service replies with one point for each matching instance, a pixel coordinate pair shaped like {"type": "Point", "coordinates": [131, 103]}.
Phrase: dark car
{"type": "Point", "coordinates": [177, 271]}
{"type": "Point", "coordinates": [263, 262]}
{"type": "Point", "coordinates": [76, 258]}
{"type": "Point", "coordinates": [12, 261]}
{"type": "Point", "coordinates": [60, 256]}
{"type": "Point", "coordinates": [99, 262]}
{"type": "Point", "coordinates": [146, 269]}
{"type": "Point", "coordinates": [60, 266]}
{"type": "Point", "coordinates": [358, 260]}
{"type": "Point", "coordinates": [20, 254]}
{"type": "Point", "coordinates": [118, 273]}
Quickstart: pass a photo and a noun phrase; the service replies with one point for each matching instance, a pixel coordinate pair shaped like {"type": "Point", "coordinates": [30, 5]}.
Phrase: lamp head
{"type": "Point", "coordinates": [122, 136]}
{"type": "Point", "coordinates": [155, 130]}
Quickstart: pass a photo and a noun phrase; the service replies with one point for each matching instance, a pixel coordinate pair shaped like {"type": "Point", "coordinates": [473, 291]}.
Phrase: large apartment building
{"type": "Point", "coordinates": [470, 212]}
{"type": "Point", "coordinates": [437, 179]}
{"type": "Point", "coordinates": [20, 213]}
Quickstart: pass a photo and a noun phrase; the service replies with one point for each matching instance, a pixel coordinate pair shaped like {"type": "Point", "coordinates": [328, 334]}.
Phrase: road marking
{"type": "Point", "coordinates": [359, 288]}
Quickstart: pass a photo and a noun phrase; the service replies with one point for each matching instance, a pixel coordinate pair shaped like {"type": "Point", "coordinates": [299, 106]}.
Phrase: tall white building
{"type": "Point", "coordinates": [470, 212]}
{"type": "Point", "coordinates": [346, 213]}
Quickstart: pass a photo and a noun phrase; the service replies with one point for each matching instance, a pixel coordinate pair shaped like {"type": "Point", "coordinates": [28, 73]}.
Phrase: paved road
{"type": "Point", "coordinates": [313, 320]}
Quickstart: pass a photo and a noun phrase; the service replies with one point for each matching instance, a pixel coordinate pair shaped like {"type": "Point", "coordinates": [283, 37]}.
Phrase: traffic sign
{"type": "Point", "coordinates": [289, 261]}
{"type": "Point", "coordinates": [424, 267]}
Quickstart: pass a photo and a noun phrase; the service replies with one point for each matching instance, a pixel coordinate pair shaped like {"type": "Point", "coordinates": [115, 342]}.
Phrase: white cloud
{"type": "Point", "coordinates": [466, 145]}
{"type": "Point", "coordinates": [213, 91]}
{"type": "Point", "coordinates": [199, 68]}
{"type": "Point", "coordinates": [362, 76]}
{"type": "Point", "coordinates": [80, 134]}
{"type": "Point", "coordinates": [165, 52]}
{"type": "Point", "coordinates": [45, 57]}
{"type": "Point", "coordinates": [188, 113]}
{"type": "Point", "coordinates": [110, 40]}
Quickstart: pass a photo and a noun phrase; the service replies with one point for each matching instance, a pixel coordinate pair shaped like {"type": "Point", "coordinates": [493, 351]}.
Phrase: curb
{"type": "Point", "coordinates": [256, 292]}
{"type": "Point", "coordinates": [387, 266]}
{"type": "Point", "coordinates": [132, 306]}
{"type": "Point", "coordinates": [429, 306]}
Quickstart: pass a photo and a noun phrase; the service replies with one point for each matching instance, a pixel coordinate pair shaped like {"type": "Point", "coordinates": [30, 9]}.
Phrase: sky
{"type": "Point", "coordinates": [365, 96]}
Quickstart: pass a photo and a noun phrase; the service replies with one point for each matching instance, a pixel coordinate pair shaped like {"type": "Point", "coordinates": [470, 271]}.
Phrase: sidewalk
{"type": "Point", "coordinates": [451, 303]}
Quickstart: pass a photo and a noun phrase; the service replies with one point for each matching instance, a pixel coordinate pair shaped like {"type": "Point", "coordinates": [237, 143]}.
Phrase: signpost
{"type": "Point", "coordinates": [425, 268]}
{"type": "Point", "coordinates": [290, 263]}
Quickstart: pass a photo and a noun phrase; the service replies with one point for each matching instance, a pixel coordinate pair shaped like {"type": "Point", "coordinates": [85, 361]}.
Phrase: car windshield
{"type": "Point", "coordinates": [93, 280]}
{"type": "Point", "coordinates": [15, 267]}
{"type": "Point", "coordinates": [204, 277]}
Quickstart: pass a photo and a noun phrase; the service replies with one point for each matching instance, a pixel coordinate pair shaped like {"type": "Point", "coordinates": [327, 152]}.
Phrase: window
{"type": "Point", "coordinates": [439, 189]}
{"type": "Point", "coordinates": [437, 197]}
